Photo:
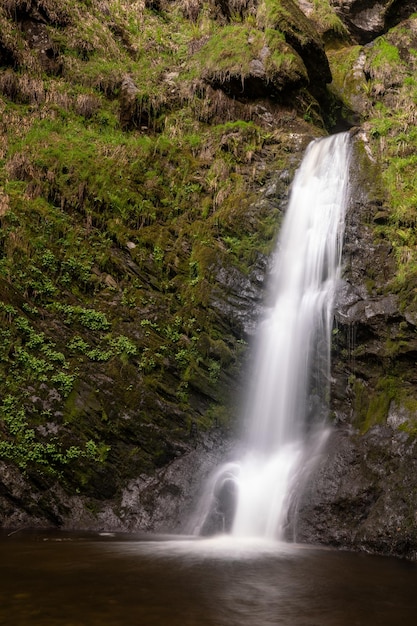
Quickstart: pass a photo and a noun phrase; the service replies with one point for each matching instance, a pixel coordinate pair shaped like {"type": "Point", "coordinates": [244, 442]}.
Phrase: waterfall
{"type": "Point", "coordinates": [285, 413]}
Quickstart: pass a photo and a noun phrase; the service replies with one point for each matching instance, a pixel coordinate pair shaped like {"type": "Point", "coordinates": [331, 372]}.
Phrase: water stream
{"type": "Point", "coordinates": [288, 398]}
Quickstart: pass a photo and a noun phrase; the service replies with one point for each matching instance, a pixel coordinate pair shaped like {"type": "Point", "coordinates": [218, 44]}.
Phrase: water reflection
{"type": "Point", "coordinates": [84, 580]}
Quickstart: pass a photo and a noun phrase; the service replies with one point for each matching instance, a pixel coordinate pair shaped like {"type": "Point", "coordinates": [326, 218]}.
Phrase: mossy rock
{"type": "Point", "coordinates": [249, 63]}
{"type": "Point", "coordinates": [286, 17]}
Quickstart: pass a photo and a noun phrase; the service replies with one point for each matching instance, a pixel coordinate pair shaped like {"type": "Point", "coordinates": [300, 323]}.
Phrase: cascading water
{"type": "Point", "coordinates": [291, 379]}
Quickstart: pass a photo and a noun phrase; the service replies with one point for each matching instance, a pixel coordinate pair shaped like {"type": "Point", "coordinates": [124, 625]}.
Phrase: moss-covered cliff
{"type": "Point", "coordinates": [138, 145]}
{"type": "Point", "coordinates": [146, 153]}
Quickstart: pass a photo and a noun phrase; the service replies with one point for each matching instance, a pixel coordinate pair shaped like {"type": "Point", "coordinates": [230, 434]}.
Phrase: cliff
{"type": "Point", "coordinates": [365, 493]}
{"type": "Point", "coordinates": [147, 151]}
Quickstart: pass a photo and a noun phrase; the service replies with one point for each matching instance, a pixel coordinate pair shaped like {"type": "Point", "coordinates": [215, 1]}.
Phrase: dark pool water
{"type": "Point", "coordinates": [116, 580]}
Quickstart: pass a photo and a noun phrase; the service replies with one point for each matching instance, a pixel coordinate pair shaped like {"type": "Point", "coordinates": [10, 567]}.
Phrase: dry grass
{"type": "Point", "coordinates": [58, 12]}
{"type": "Point", "coordinates": [22, 89]}
{"type": "Point", "coordinates": [87, 105]}
{"type": "Point", "coordinates": [123, 10]}
{"type": "Point", "coordinates": [92, 36]}
{"type": "Point", "coordinates": [4, 203]}
{"type": "Point", "coordinates": [20, 167]}
{"type": "Point", "coordinates": [58, 96]}
{"type": "Point", "coordinates": [191, 9]}
{"type": "Point", "coordinates": [214, 106]}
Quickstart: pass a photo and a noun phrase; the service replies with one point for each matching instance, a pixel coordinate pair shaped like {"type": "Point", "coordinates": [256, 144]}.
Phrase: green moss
{"type": "Point", "coordinates": [23, 445]}
{"type": "Point", "coordinates": [327, 21]}
{"type": "Point", "coordinates": [230, 51]}
{"type": "Point", "coordinates": [286, 17]}
{"type": "Point", "coordinates": [409, 427]}
{"type": "Point", "coordinates": [371, 406]}
{"type": "Point", "coordinates": [348, 83]}
{"type": "Point", "coordinates": [384, 57]}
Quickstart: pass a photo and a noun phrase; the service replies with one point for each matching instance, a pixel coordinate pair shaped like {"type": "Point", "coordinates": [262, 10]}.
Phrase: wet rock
{"type": "Point", "coordinates": [351, 308]}
{"type": "Point", "coordinates": [167, 502]}
{"type": "Point", "coordinates": [239, 298]}
{"type": "Point", "coordinates": [20, 503]}
{"type": "Point", "coordinates": [364, 496]}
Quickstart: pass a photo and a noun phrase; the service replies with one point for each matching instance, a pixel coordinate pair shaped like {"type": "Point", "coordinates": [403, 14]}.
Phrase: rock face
{"type": "Point", "coordinates": [124, 326]}
{"type": "Point", "coordinates": [242, 61]}
{"type": "Point", "coordinates": [164, 502]}
{"type": "Point", "coordinates": [366, 19]}
{"type": "Point", "coordinates": [301, 35]}
{"type": "Point", "coordinates": [364, 493]}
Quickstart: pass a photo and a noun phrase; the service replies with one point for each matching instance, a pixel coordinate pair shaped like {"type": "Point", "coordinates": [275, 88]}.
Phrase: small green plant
{"type": "Point", "coordinates": [21, 443]}
{"type": "Point", "coordinates": [90, 318]}
{"type": "Point", "coordinates": [64, 382]}
{"type": "Point", "coordinates": [123, 347]}
{"type": "Point", "coordinates": [214, 370]}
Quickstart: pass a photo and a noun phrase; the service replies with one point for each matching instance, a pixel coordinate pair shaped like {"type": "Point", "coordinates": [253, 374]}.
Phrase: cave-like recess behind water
{"type": "Point", "coordinates": [287, 400]}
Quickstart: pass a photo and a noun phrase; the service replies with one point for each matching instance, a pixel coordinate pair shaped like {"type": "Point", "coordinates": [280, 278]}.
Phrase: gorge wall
{"type": "Point", "coordinates": [143, 179]}
{"type": "Point", "coordinates": [364, 495]}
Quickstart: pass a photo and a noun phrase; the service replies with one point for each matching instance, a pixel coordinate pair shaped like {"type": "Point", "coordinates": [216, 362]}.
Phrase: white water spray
{"type": "Point", "coordinates": [291, 379]}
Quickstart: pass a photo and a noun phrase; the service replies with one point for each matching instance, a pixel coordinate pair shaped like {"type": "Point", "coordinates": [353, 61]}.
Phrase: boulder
{"type": "Point", "coordinates": [366, 19]}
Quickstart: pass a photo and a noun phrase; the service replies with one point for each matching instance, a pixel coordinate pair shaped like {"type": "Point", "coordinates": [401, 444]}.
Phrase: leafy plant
{"type": "Point", "coordinates": [21, 443]}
